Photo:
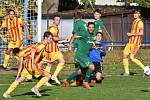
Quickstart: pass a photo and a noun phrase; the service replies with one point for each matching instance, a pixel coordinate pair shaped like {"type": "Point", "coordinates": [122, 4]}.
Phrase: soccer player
{"type": "Point", "coordinates": [53, 51]}
{"type": "Point", "coordinates": [32, 66]}
{"type": "Point", "coordinates": [98, 50]}
{"type": "Point", "coordinates": [99, 23]}
{"type": "Point", "coordinates": [14, 26]}
{"type": "Point", "coordinates": [134, 43]}
{"type": "Point", "coordinates": [82, 56]}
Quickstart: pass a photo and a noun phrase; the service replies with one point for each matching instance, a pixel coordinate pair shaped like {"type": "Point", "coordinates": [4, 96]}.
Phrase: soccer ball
{"type": "Point", "coordinates": [147, 70]}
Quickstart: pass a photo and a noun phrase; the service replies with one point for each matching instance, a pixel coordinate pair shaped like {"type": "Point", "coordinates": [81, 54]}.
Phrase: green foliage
{"type": "Point", "coordinates": [87, 2]}
{"type": "Point", "coordinates": [143, 3]}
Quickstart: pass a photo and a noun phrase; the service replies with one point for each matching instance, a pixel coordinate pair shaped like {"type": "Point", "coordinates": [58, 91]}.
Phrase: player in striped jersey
{"type": "Point", "coordinates": [32, 65]}
{"type": "Point", "coordinates": [14, 26]}
{"type": "Point", "coordinates": [134, 43]}
{"type": "Point", "coordinates": [53, 51]}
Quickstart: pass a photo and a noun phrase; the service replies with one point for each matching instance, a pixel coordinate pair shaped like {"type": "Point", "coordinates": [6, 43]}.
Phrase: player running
{"type": "Point", "coordinates": [134, 43]}
{"type": "Point", "coordinates": [14, 26]}
{"type": "Point", "coordinates": [31, 65]}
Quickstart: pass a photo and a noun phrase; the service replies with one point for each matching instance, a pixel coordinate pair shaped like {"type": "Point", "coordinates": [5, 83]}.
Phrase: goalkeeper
{"type": "Point", "coordinates": [97, 52]}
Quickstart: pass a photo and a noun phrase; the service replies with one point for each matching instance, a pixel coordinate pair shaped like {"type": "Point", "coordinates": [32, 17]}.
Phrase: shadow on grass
{"type": "Point", "coordinates": [144, 90]}
{"type": "Point", "coordinates": [33, 95]}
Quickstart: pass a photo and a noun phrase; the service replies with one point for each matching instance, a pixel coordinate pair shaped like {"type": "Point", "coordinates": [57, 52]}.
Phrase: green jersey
{"type": "Point", "coordinates": [83, 49]}
{"type": "Point", "coordinates": [99, 24]}
{"type": "Point", "coordinates": [80, 28]}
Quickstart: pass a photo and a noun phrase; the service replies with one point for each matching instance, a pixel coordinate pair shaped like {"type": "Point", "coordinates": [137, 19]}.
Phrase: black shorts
{"type": "Point", "coordinates": [98, 67]}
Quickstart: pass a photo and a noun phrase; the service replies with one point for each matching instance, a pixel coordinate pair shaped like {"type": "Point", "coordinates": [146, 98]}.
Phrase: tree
{"type": "Point", "coordinates": [143, 3]}
{"type": "Point", "coordinates": [88, 3]}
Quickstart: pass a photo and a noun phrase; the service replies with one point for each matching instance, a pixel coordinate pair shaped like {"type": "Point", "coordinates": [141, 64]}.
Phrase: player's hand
{"type": "Point", "coordinates": [70, 47]}
{"type": "Point", "coordinates": [102, 49]}
{"type": "Point", "coordinates": [129, 34]}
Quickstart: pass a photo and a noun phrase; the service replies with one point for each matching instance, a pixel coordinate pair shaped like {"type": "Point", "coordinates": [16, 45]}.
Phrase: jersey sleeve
{"type": "Point", "coordinates": [140, 25]}
{"type": "Point", "coordinates": [4, 24]}
{"type": "Point", "coordinates": [75, 28]}
{"type": "Point", "coordinates": [21, 22]}
{"type": "Point", "coordinates": [53, 30]}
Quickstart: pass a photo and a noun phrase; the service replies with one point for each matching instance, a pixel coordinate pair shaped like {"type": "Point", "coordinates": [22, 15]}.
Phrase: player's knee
{"type": "Point", "coordinates": [92, 67]}
{"type": "Point", "coordinates": [79, 72]}
{"type": "Point", "coordinates": [61, 60]}
{"type": "Point", "coordinates": [98, 76]}
{"type": "Point", "coordinates": [8, 51]}
{"type": "Point", "coordinates": [48, 75]}
{"type": "Point", "coordinates": [125, 56]}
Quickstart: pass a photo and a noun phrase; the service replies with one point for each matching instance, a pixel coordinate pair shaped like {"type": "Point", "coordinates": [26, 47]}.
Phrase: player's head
{"type": "Point", "coordinates": [97, 14]}
{"type": "Point", "coordinates": [99, 36]}
{"type": "Point", "coordinates": [48, 36]}
{"type": "Point", "coordinates": [91, 27]}
{"type": "Point", "coordinates": [16, 51]}
{"type": "Point", "coordinates": [77, 15]}
{"type": "Point", "coordinates": [56, 19]}
{"type": "Point", "coordinates": [11, 13]}
{"type": "Point", "coordinates": [137, 14]}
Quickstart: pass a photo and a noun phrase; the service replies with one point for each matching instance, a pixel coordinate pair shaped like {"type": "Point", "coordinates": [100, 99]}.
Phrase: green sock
{"type": "Point", "coordinates": [88, 74]}
{"type": "Point", "coordinates": [72, 77]}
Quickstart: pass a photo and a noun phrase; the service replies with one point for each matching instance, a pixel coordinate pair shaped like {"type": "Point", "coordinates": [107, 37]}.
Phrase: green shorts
{"type": "Point", "coordinates": [83, 59]}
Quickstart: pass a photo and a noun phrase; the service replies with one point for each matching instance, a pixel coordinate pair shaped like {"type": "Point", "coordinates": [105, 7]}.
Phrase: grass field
{"type": "Point", "coordinates": [113, 87]}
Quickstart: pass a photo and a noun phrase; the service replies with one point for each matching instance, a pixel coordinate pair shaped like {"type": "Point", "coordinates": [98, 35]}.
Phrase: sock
{"type": "Point", "coordinates": [88, 74]}
{"type": "Point", "coordinates": [126, 65]}
{"type": "Point", "coordinates": [72, 77]}
{"type": "Point", "coordinates": [58, 69]}
{"type": "Point", "coordinates": [6, 58]}
{"type": "Point", "coordinates": [48, 68]}
{"type": "Point", "coordinates": [12, 87]}
{"type": "Point", "coordinates": [41, 82]}
{"type": "Point", "coordinates": [136, 61]}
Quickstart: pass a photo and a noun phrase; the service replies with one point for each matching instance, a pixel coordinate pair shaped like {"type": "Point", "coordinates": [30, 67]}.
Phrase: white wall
{"type": "Point", "coordinates": [108, 2]}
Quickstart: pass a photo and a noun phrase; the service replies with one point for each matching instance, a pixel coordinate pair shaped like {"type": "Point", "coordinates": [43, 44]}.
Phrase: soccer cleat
{"type": "Point", "coordinates": [5, 95]}
{"type": "Point", "coordinates": [126, 74]}
{"type": "Point", "coordinates": [48, 84]}
{"type": "Point", "coordinates": [55, 79]}
{"type": "Point", "coordinates": [86, 85]}
{"type": "Point", "coordinates": [36, 91]}
{"type": "Point", "coordinates": [66, 83]}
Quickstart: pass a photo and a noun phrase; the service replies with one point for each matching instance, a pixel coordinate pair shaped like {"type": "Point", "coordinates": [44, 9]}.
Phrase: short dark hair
{"type": "Point", "coordinates": [56, 16]}
{"type": "Point", "coordinates": [11, 10]}
{"type": "Point", "coordinates": [137, 11]}
{"type": "Point", "coordinates": [16, 51]}
{"type": "Point", "coordinates": [47, 34]}
{"type": "Point", "coordinates": [91, 23]}
{"type": "Point", "coordinates": [77, 15]}
{"type": "Point", "coordinates": [98, 11]}
{"type": "Point", "coordinates": [99, 33]}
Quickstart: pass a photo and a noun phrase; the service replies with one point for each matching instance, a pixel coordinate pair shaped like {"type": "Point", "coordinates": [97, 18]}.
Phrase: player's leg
{"type": "Point", "coordinates": [71, 77]}
{"type": "Point", "coordinates": [125, 59]}
{"type": "Point", "coordinates": [43, 81]}
{"type": "Point", "coordinates": [90, 70]}
{"type": "Point", "coordinates": [59, 67]}
{"type": "Point", "coordinates": [134, 50]}
{"type": "Point", "coordinates": [13, 86]}
{"type": "Point", "coordinates": [48, 69]}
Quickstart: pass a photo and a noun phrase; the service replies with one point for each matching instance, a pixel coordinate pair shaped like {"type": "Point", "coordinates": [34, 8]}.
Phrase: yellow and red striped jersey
{"type": "Point", "coordinates": [26, 52]}
{"type": "Point", "coordinates": [14, 27]}
{"type": "Point", "coordinates": [137, 25]}
{"type": "Point", "coordinates": [55, 32]}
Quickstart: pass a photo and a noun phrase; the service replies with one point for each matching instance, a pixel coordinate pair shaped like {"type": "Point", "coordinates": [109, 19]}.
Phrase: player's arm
{"type": "Point", "coordinates": [33, 51]}
{"type": "Point", "coordinates": [20, 67]}
{"type": "Point", "coordinates": [103, 49]}
{"type": "Point", "coordinates": [22, 23]}
{"type": "Point", "coordinates": [74, 34]}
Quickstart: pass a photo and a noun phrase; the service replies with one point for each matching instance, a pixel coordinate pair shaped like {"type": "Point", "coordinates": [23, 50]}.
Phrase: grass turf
{"type": "Point", "coordinates": [113, 87]}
